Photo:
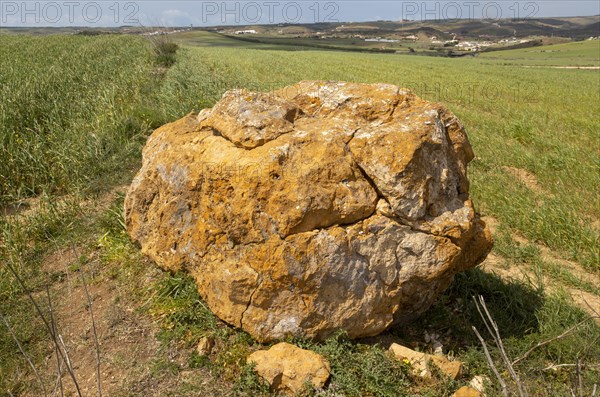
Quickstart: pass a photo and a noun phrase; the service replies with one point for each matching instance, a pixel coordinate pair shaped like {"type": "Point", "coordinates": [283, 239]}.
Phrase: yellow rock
{"type": "Point", "coordinates": [205, 346]}
{"type": "Point", "coordinates": [319, 207]}
{"type": "Point", "coordinates": [466, 391]}
{"type": "Point", "coordinates": [288, 368]}
{"type": "Point", "coordinates": [448, 368]}
{"type": "Point", "coordinates": [419, 362]}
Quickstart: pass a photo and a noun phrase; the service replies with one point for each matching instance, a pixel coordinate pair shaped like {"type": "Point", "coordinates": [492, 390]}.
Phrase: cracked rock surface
{"type": "Point", "coordinates": [318, 207]}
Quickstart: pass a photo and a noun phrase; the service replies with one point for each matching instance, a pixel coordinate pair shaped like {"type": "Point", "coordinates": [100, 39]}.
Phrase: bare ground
{"type": "Point", "coordinates": [525, 177]}
{"type": "Point", "coordinates": [587, 301]}
{"type": "Point", "coordinates": [132, 359]}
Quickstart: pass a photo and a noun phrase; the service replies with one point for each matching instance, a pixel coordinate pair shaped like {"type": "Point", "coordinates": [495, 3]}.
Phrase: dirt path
{"type": "Point", "coordinates": [587, 301]}
{"type": "Point", "coordinates": [133, 362]}
{"type": "Point", "coordinates": [126, 339]}
{"type": "Point", "coordinates": [563, 67]}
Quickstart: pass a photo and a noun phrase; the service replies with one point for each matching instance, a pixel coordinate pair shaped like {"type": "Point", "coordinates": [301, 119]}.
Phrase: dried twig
{"type": "Point", "coordinates": [570, 365]}
{"type": "Point", "coordinates": [58, 380]}
{"type": "Point", "coordinates": [491, 363]}
{"type": "Point", "coordinates": [543, 343]}
{"type": "Point", "coordinates": [595, 311]}
{"type": "Point", "coordinates": [68, 362]}
{"type": "Point", "coordinates": [12, 334]}
{"type": "Point", "coordinates": [579, 378]}
{"type": "Point", "coordinates": [89, 301]}
{"type": "Point", "coordinates": [56, 347]}
{"type": "Point", "coordinates": [495, 334]}
{"type": "Point", "coordinates": [44, 320]}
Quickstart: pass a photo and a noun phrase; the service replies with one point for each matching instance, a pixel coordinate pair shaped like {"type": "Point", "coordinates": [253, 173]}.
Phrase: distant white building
{"type": "Point", "coordinates": [380, 40]}
{"type": "Point", "coordinates": [473, 46]}
{"type": "Point", "coordinates": [250, 31]}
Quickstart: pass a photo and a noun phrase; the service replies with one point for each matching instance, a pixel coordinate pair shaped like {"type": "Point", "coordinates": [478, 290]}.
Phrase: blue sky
{"type": "Point", "coordinates": [211, 13]}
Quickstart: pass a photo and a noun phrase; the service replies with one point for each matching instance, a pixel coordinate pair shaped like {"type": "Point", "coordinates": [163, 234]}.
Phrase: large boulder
{"type": "Point", "coordinates": [319, 207]}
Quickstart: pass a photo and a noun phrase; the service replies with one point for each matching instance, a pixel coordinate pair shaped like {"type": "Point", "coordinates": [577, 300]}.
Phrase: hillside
{"type": "Point", "coordinates": [574, 28]}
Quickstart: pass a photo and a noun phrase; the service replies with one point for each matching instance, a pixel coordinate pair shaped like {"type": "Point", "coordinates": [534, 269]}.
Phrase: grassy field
{"type": "Point", "coordinates": [74, 115]}
{"type": "Point", "coordinates": [73, 118]}
{"type": "Point", "coordinates": [70, 110]}
{"type": "Point", "coordinates": [581, 53]}
{"type": "Point", "coordinates": [199, 38]}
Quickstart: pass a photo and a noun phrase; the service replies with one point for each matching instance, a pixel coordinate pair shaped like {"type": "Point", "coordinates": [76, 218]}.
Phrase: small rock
{"type": "Point", "coordinates": [438, 348]}
{"type": "Point", "coordinates": [420, 360]}
{"type": "Point", "coordinates": [435, 343]}
{"type": "Point", "coordinates": [478, 383]}
{"type": "Point", "coordinates": [449, 368]}
{"type": "Point", "coordinates": [288, 368]}
{"type": "Point", "coordinates": [205, 346]}
{"type": "Point", "coordinates": [466, 391]}
{"type": "Point", "coordinates": [416, 359]}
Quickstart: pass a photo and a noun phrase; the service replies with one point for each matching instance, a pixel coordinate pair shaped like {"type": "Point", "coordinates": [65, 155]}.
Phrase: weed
{"type": "Point", "coordinates": [165, 50]}
{"type": "Point", "coordinates": [360, 370]}
{"type": "Point", "coordinates": [181, 310]}
{"type": "Point", "coordinates": [250, 384]}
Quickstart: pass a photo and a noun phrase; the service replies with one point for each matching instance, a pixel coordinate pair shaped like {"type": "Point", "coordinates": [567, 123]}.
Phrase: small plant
{"type": "Point", "coordinates": [180, 309]}
{"type": "Point", "coordinates": [358, 369]}
{"type": "Point", "coordinates": [249, 384]}
{"type": "Point", "coordinates": [165, 50]}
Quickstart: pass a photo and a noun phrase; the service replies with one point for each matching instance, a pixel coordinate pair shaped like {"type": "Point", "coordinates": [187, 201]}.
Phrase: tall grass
{"type": "Point", "coordinates": [69, 111]}
{"type": "Point", "coordinates": [74, 114]}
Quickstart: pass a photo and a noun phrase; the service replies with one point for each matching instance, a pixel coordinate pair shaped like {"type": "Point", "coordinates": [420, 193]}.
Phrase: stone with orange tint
{"type": "Point", "coordinates": [318, 207]}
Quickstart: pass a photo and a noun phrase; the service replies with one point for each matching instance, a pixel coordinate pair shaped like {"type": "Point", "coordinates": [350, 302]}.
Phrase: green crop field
{"type": "Point", "coordinates": [74, 115]}
{"type": "Point", "coordinates": [201, 38]}
{"type": "Point", "coordinates": [68, 109]}
{"type": "Point", "coordinates": [581, 53]}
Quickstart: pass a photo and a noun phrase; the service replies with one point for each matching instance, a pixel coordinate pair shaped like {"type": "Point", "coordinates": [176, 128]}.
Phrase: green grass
{"type": "Point", "coordinates": [581, 53]}
{"type": "Point", "coordinates": [207, 39]}
{"type": "Point", "coordinates": [71, 111]}
{"type": "Point", "coordinates": [529, 256]}
{"type": "Point", "coordinates": [199, 38]}
{"type": "Point", "coordinates": [74, 115]}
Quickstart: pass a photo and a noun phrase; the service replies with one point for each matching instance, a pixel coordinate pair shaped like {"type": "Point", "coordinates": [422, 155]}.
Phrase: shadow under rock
{"type": "Point", "coordinates": [512, 305]}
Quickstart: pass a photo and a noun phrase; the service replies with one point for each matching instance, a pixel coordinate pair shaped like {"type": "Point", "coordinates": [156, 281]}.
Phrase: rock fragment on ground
{"type": "Point", "coordinates": [290, 369]}
{"type": "Point", "coordinates": [478, 383]}
{"type": "Point", "coordinates": [205, 346]}
{"type": "Point", "coordinates": [420, 362]}
{"type": "Point", "coordinates": [466, 391]}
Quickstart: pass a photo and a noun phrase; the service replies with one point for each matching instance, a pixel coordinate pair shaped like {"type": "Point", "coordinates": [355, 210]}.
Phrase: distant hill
{"type": "Point", "coordinates": [571, 27]}
{"type": "Point", "coordinates": [575, 28]}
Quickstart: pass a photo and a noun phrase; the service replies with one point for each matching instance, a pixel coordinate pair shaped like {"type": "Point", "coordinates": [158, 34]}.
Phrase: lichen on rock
{"type": "Point", "coordinates": [319, 207]}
